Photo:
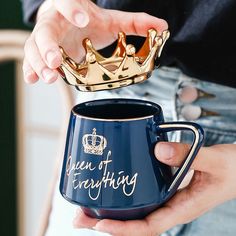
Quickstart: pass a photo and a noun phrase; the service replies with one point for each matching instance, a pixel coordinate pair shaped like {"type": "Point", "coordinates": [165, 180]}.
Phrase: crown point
{"type": "Point", "coordinates": [90, 57]}
{"type": "Point", "coordinates": [159, 40]}
{"type": "Point", "coordinates": [152, 32]}
{"type": "Point", "coordinates": [165, 34]}
{"type": "Point", "coordinates": [86, 41]}
{"type": "Point", "coordinates": [121, 35]}
{"type": "Point", "coordinates": [130, 50]}
{"type": "Point", "coordinates": [87, 44]}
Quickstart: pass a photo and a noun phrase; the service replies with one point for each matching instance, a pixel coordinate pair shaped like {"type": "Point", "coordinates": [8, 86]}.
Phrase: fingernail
{"type": "Point", "coordinates": [49, 76]}
{"type": "Point", "coordinates": [30, 77]}
{"type": "Point", "coordinates": [53, 58]}
{"type": "Point", "coordinates": [81, 19]}
{"type": "Point", "coordinates": [165, 150]}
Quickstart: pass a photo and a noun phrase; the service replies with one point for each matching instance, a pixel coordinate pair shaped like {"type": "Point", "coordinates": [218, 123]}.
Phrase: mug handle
{"type": "Point", "coordinates": [197, 143]}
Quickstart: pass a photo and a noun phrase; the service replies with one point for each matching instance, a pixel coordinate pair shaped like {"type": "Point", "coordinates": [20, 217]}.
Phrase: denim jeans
{"type": "Point", "coordinates": [218, 119]}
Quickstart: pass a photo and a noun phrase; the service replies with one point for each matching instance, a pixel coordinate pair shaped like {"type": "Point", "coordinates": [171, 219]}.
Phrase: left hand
{"type": "Point", "coordinates": [213, 183]}
{"type": "Point", "coordinates": [67, 23]}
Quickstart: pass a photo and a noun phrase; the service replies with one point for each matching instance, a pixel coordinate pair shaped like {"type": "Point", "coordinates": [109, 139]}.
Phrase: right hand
{"type": "Point", "coordinates": [213, 183]}
{"type": "Point", "coordinates": [67, 23]}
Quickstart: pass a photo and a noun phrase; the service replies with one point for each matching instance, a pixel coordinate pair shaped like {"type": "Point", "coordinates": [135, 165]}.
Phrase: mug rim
{"type": "Point", "coordinates": [121, 101]}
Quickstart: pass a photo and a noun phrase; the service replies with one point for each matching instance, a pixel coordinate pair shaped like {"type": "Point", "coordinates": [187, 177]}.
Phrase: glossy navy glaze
{"type": "Point", "coordinates": [118, 176]}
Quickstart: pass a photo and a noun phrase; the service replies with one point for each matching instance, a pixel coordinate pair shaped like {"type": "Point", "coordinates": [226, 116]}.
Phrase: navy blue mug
{"type": "Point", "coordinates": [109, 167]}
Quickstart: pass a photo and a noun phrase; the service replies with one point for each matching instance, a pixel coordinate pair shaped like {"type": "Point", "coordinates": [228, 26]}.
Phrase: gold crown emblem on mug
{"type": "Point", "coordinates": [93, 143]}
{"type": "Point", "coordinates": [123, 68]}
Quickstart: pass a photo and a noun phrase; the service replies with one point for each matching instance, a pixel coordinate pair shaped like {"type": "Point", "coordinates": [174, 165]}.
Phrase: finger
{"type": "Point", "coordinates": [124, 228]}
{"type": "Point", "coordinates": [36, 62]}
{"type": "Point", "coordinates": [46, 38]}
{"type": "Point", "coordinates": [83, 221]}
{"type": "Point", "coordinates": [189, 203]}
{"type": "Point", "coordinates": [29, 75]}
{"type": "Point", "coordinates": [174, 212]}
{"type": "Point", "coordinates": [77, 12]}
{"type": "Point", "coordinates": [136, 23]}
{"type": "Point", "coordinates": [173, 154]}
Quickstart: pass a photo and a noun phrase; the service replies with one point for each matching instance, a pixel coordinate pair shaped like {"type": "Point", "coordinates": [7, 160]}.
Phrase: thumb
{"type": "Point", "coordinates": [174, 154]}
{"type": "Point", "coordinates": [76, 11]}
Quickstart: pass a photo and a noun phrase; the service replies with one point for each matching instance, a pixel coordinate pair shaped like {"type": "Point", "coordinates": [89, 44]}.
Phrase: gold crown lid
{"type": "Point", "coordinates": [123, 68]}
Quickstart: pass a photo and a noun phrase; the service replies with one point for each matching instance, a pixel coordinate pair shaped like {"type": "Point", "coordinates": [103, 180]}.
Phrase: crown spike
{"type": "Point", "coordinates": [123, 68]}
{"type": "Point", "coordinates": [148, 44]}
{"type": "Point", "coordinates": [165, 35]}
{"type": "Point", "coordinates": [149, 61]}
{"type": "Point", "coordinates": [88, 46]}
{"type": "Point", "coordinates": [129, 62]}
{"type": "Point", "coordinates": [121, 45]}
{"type": "Point", "coordinates": [68, 70]}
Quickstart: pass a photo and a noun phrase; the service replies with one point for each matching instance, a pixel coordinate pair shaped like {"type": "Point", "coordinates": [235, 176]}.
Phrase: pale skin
{"type": "Point", "coordinates": [214, 167]}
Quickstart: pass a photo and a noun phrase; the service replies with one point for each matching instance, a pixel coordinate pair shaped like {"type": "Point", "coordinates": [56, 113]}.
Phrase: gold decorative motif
{"type": "Point", "coordinates": [93, 143]}
{"type": "Point", "coordinates": [123, 68]}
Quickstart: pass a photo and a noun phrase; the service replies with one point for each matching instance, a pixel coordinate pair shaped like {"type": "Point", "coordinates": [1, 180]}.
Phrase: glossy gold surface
{"type": "Point", "coordinates": [123, 68]}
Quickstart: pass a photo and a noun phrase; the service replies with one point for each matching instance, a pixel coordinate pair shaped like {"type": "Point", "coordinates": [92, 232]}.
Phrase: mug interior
{"type": "Point", "coordinates": [116, 109]}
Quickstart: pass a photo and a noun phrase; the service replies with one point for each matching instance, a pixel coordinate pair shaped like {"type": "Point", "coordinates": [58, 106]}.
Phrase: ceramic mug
{"type": "Point", "coordinates": [109, 166]}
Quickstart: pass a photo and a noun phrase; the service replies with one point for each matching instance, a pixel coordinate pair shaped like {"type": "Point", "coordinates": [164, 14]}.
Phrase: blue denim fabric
{"type": "Point", "coordinates": [162, 88]}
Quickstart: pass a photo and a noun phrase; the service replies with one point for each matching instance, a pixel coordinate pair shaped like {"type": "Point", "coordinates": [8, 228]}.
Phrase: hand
{"type": "Point", "coordinates": [213, 183]}
{"type": "Point", "coordinates": [67, 23]}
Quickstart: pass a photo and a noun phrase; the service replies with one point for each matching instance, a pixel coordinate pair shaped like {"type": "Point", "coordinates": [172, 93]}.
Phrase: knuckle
{"type": "Point", "coordinates": [144, 15]}
{"type": "Point", "coordinates": [37, 65]}
{"type": "Point", "coordinates": [40, 37]}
